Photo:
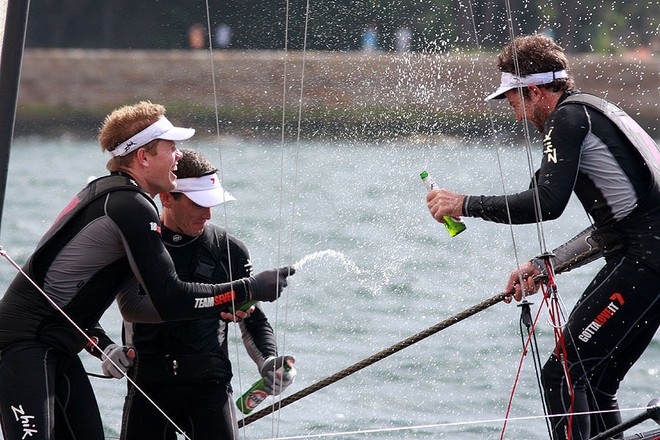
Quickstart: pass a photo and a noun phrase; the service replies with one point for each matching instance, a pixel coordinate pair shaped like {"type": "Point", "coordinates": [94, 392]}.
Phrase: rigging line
{"type": "Point", "coordinates": [216, 110]}
{"type": "Point", "coordinates": [295, 182]}
{"type": "Point", "coordinates": [90, 340]}
{"type": "Point", "coordinates": [561, 311]}
{"type": "Point", "coordinates": [434, 425]}
{"type": "Point", "coordinates": [276, 420]}
{"type": "Point", "coordinates": [532, 174]}
{"type": "Point", "coordinates": [499, 160]}
{"type": "Point", "coordinates": [506, 198]}
{"type": "Point", "coordinates": [528, 141]}
{"type": "Point", "coordinates": [491, 120]}
{"type": "Point", "coordinates": [519, 370]}
{"type": "Point", "coordinates": [554, 309]}
{"type": "Point", "coordinates": [379, 356]}
{"type": "Point", "coordinates": [525, 320]}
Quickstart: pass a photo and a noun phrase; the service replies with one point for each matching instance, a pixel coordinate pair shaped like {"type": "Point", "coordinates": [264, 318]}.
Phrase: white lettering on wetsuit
{"type": "Point", "coordinates": [25, 420]}
{"type": "Point", "coordinates": [602, 318]}
{"type": "Point", "coordinates": [223, 298]}
{"type": "Point", "coordinates": [548, 149]}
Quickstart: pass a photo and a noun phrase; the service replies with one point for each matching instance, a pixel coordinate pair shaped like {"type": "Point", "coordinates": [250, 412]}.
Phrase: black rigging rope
{"type": "Point", "coordinates": [376, 357]}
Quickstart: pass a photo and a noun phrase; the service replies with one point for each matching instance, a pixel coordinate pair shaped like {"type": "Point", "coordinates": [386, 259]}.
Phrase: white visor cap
{"type": "Point", "coordinates": [205, 191]}
{"type": "Point", "coordinates": [161, 129]}
{"type": "Point", "coordinates": [510, 81]}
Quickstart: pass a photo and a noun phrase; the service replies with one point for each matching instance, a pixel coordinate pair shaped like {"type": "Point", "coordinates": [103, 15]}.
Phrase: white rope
{"type": "Point", "coordinates": [528, 147]}
{"type": "Point", "coordinates": [220, 167]}
{"type": "Point", "coordinates": [442, 425]}
{"type": "Point", "coordinates": [278, 400]}
{"type": "Point", "coordinates": [491, 120]}
{"type": "Point", "coordinates": [91, 341]}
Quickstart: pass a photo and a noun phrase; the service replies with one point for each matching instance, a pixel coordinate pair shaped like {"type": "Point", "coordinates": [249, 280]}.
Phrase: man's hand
{"type": "Point", "coordinates": [268, 285]}
{"type": "Point", "coordinates": [276, 377]}
{"type": "Point", "coordinates": [237, 315]}
{"type": "Point", "coordinates": [527, 272]}
{"type": "Point", "coordinates": [115, 357]}
{"type": "Point", "coordinates": [443, 202]}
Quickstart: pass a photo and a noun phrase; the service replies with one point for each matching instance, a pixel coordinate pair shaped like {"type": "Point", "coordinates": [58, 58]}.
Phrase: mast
{"type": "Point", "coordinates": [11, 59]}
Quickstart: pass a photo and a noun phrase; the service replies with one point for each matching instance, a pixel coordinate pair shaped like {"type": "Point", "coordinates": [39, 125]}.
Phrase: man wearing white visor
{"type": "Point", "coordinates": [106, 239]}
{"type": "Point", "coordinates": [593, 148]}
{"type": "Point", "coordinates": [184, 366]}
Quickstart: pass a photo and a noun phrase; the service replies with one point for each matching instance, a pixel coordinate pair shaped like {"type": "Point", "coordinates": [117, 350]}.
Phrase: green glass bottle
{"type": "Point", "coordinates": [257, 394]}
{"type": "Point", "coordinates": [454, 227]}
{"type": "Point", "coordinates": [244, 307]}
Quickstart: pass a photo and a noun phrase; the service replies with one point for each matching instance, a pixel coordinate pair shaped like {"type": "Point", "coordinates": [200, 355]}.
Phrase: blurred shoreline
{"type": "Point", "coordinates": [344, 94]}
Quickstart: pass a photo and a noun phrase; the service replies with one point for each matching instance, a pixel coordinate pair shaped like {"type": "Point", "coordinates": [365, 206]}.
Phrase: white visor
{"type": "Point", "coordinates": [510, 81]}
{"type": "Point", "coordinates": [161, 129]}
{"type": "Point", "coordinates": [206, 191]}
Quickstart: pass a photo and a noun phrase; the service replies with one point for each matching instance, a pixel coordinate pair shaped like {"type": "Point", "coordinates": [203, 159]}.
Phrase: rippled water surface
{"type": "Point", "coordinates": [373, 269]}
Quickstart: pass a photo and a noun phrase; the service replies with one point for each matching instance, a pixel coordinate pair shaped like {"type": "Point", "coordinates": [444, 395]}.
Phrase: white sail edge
{"type": "Point", "coordinates": [3, 16]}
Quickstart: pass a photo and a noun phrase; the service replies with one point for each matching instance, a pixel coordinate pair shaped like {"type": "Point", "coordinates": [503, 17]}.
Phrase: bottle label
{"type": "Point", "coordinates": [255, 398]}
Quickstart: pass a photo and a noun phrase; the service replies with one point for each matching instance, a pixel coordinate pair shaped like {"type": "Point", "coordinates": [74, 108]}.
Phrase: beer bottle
{"type": "Point", "coordinates": [454, 227]}
{"type": "Point", "coordinates": [257, 394]}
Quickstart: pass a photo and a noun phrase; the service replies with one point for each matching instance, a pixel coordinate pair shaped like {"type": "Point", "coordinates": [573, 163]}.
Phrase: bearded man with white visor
{"type": "Point", "coordinates": [592, 148]}
{"type": "Point", "coordinates": [108, 237]}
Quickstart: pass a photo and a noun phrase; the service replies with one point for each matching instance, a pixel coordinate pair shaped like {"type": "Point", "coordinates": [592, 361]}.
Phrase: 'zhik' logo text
{"type": "Point", "coordinates": [25, 420]}
{"type": "Point", "coordinates": [549, 151]}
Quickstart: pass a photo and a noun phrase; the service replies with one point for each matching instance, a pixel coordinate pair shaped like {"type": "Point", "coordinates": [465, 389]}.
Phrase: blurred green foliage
{"type": "Point", "coordinates": [339, 25]}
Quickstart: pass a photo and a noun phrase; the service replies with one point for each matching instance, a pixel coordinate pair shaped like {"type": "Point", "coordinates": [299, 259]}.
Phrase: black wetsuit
{"type": "Point", "coordinates": [184, 366]}
{"type": "Point", "coordinates": [616, 317]}
{"type": "Point", "coordinates": [107, 236]}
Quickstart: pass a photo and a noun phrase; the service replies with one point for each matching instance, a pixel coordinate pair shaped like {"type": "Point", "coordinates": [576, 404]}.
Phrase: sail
{"type": "Point", "coordinates": [3, 15]}
{"type": "Point", "coordinates": [14, 23]}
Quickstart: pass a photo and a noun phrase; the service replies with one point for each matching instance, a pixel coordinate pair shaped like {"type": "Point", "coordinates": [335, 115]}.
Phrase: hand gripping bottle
{"type": "Point", "coordinates": [454, 227]}
{"type": "Point", "coordinates": [257, 394]}
{"type": "Point", "coordinates": [243, 307]}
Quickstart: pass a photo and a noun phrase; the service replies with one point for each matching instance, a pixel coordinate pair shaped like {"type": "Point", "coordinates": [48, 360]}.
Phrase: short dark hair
{"type": "Point", "coordinates": [536, 54]}
{"type": "Point", "coordinates": [193, 164]}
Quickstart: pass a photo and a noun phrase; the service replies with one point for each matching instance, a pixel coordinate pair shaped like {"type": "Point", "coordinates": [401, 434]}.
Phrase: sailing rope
{"type": "Point", "coordinates": [282, 346]}
{"type": "Point", "coordinates": [548, 286]}
{"type": "Point", "coordinates": [276, 404]}
{"type": "Point", "coordinates": [649, 412]}
{"type": "Point", "coordinates": [220, 166]}
{"type": "Point", "coordinates": [379, 356]}
{"type": "Point", "coordinates": [89, 339]}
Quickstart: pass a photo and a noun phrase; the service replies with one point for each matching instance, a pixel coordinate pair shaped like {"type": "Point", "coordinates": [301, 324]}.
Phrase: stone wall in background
{"type": "Point", "coordinates": [343, 94]}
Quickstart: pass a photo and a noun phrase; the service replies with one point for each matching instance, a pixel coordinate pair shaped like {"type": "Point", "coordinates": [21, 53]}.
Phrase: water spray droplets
{"type": "Point", "coordinates": [345, 262]}
{"type": "Point", "coordinates": [372, 281]}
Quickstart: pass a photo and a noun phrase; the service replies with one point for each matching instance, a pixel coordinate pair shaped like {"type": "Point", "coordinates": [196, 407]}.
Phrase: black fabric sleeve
{"type": "Point", "coordinates": [102, 339]}
{"type": "Point", "coordinates": [587, 246]}
{"type": "Point", "coordinates": [257, 333]}
{"type": "Point", "coordinates": [152, 265]}
{"type": "Point", "coordinates": [564, 133]}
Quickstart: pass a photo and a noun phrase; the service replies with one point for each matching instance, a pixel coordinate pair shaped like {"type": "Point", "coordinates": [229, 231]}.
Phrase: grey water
{"type": "Point", "coordinates": [373, 269]}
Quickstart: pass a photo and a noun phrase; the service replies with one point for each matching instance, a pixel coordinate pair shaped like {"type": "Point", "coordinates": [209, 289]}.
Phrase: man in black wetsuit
{"type": "Point", "coordinates": [184, 366]}
{"type": "Point", "coordinates": [107, 237]}
{"type": "Point", "coordinates": [593, 148]}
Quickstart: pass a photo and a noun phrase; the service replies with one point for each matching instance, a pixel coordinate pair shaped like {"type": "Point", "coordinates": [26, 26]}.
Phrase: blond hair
{"type": "Point", "coordinates": [123, 123]}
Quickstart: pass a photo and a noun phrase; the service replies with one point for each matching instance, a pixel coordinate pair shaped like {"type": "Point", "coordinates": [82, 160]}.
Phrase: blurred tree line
{"type": "Point", "coordinates": [340, 25]}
